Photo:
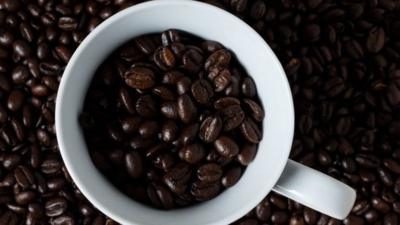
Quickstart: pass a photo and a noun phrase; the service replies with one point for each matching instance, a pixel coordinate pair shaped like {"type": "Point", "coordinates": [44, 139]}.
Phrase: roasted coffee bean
{"type": "Point", "coordinates": [169, 131]}
{"type": "Point", "coordinates": [161, 196]}
{"type": "Point", "coordinates": [192, 61]}
{"type": "Point", "coordinates": [232, 117]}
{"type": "Point", "coordinates": [24, 177]}
{"type": "Point", "coordinates": [164, 93]}
{"type": "Point", "coordinates": [130, 124]}
{"type": "Point", "coordinates": [164, 58]}
{"type": "Point", "coordinates": [375, 39]}
{"type": "Point", "coordinates": [170, 110]}
{"type": "Point", "coordinates": [16, 100]}
{"type": "Point", "coordinates": [254, 109]}
{"type": "Point", "coordinates": [226, 146]}
{"type": "Point", "coordinates": [249, 88]}
{"type": "Point", "coordinates": [210, 129]}
{"type": "Point", "coordinates": [202, 91]}
{"type": "Point", "coordinates": [127, 100]}
{"type": "Point", "coordinates": [187, 110]}
{"type": "Point", "coordinates": [177, 178]}
{"type": "Point", "coordinates": [148, 129]}
{"type": "Point", "coordinates": [220, 58]}
{"type": "Point", "coordinates": [250, 131]}
{"type": "Point", "coordinates": [146, 106]}
{"type": "Point", "coordinates": [183, 85]}
{"type": "Point", "coordinates": [140, 78]}
{"type": "Point", "coordinates": [247, 154]}
{"type": "Point", "coordinates": [25, 197]}
{"type": "Point", "coordinates": [188, 134]}
{"type": "Point", "coordinates": [204, 191]}
{"type": "Point", "coordinates": [134, 164]}
{"type": "Point", "coordinates": [55, 206]}
{"type": "Point", "coordinates": [193, 153]}
{"type": "Point", "coordinates": [170, 36]}
{"type": "Point", "coordinates": [231, 177]}
{"type": "Point", "coordinates": [225, 102]}
{"type": "Point", "coordinates": [209, 173]}
{"type": "Point", "coordinates": [222, 80]}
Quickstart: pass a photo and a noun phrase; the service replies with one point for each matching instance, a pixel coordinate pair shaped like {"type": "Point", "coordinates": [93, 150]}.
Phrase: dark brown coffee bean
{"type": "Point", "coordinates": [204, 191]}
{"type": "Point", "coordinates": [140, 78]}
{"type": "Point", "coordinates": [232, 117]}
{"type": "Point", "coordinates": [249, 88]}
{"type": "Point", "coordinates": [127, 100]}
{"type": "Point", "coordinates": [222, 80]}
{"type": "Point", "coordinates": [220, 58]}
{"type": "Point", "coordinates": [392, 165]}
{"type": "Point", "coordinates": [25, 197]}
{"type": "Point", "coordinates": [134, 164]}
{"type": "Point", "coordinates": [247, 154]}
{"type": "Point", "coordinates": [130, 124]}
{"type": "Point", "coordinates": [251, 131]}
{"type": "Point", "coordinates": [9, 218]}
{"type": "Point", "coordinates": [202, 91]}
{"type": "Point", "coordinates": [24, 177]}
{"type": "Point", "coordinates": [145, 44]}
{"type": "Point", "coordinates": [226, 147]}
{"type": "Point", "coordinates": [164, 58]}
{"type": "Point", "coordinates": [263, 211]}
{"type": "Point", "coordinates": [187, 110]}
{"type": "Point", "coordinates": [10, 161]}
{"type": "Point", "coordinates": [211, 46]}
{"type": "Point", "coordinates": [172, 77]}
{"type": "Point", "coordinates": [148, 129]}
{"type": "Point", "coordinates": [170, 110]}
{"type": "Point", "coordinates": [254, 109]}
{"type": "Point", "coordinates": [67, 23]}
{"type": "Point", "coordinates": [188, 134]}
{"type": "Point", "coordinates": [225, 102]}
{"type": "Point", "coordinates": [170, 36]}
{"type": "Point", "coordinates": [55, 206]}
{"type": "Point", "coordinates": [231, 177]}
{"type": "Point", "coordinates": [56, 184]}
{"type": "Point", "coordinates": [380, 205]}
{"type": "Point", "coordinates": [210, 129]}
{"type": "Point", "coordinates": [146, 106]}
{"type": "Point", "coordinates": [176, 179]}
{"type": "Point", "coordinates": [192, 61]}
{"type": "Point", "coordinates": [164, 93]}
{"type": "Point", "coordinates": [15, 100]}
{"type": "Point", "coordinates": [63, 220]}
{"type": "Point", "coordinates": [169, 131]}
{"type": "Point", "coordinates": [375, 39]}
{"type": "Point", "coordinates": [20, 75]}
{"type": "Point", "coordinates": [22, 48]}
{"type": "Point", "coordinates": [193, 153]}
{"type": "Point", "coordinates": [50, 166]}
{"type": "Point", "coordinates": [280, 217]}
{"type": "Point", "coordinates": [209, 173]}
{"type": "Point", "coordinates": [161, 196]}
{"type": "Point", "coordinates": [183, 85]}
{"type": "Point", "coordinates": [311, 32]}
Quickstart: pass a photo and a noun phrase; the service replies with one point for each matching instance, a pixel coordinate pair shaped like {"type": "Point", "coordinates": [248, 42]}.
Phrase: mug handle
{"type": "Point", "coordinates": [315, 190]}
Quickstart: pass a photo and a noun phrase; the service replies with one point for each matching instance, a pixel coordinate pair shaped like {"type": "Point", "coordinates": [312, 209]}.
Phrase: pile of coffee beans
{"type": "Point", "coordinates": [354, 45]}
{"type": "Point", "coordinates": [172, 120]}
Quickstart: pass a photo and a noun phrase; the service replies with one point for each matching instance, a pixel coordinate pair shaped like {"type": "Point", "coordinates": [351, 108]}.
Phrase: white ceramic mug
{"type": "Point", "coordinates": [271, 169]}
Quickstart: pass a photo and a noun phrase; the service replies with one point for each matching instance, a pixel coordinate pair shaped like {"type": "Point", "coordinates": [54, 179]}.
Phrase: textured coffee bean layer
{"type": "Point", "coordinates": [310, 38]}
{"type": "Point", "coordinates": [158, 119]}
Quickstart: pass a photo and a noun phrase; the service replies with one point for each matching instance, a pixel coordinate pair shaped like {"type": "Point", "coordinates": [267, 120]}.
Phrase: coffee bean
{"type": "Point", "coordinates": [24, 177]}
{"type": "Point", "coordinates": [134, 164]}
{"type": "Point", "coordinates": [392, 165]}
{"type": "Point", "coordinates": [15, 100]}
{"type": "Point", "coordinates": [146, 106]}
{"type": "Point", "coordinates": [193, 153]}
{"type": "Point", "coordinates": [164, 58]}
{"type": "Point", "coordinates": [21, 48]}
{"type": "Point", "coordinates": [226, 146]}
{"type": "Point", "coordinates": [176, 179]}
{"type": "Point", "coordinates": [202, 91]}
{"type": "Point", "coordinates": [220, 58]}
{"type": "Point", "coordinates": [170, 110]}
{"type": "Point", "coordinates": [148, 129]}
{"type": "Point", "coordinates": [63, 220]}
{"type": "Point", "coordinates": [20, 75]}
{"type": "Point", "coordinates": [139, 78]}
{"type": "Point", "coordinates": [247, 154]}
{"type": "Point", "coordinates": [255, 109]}
{"type": "Point", "coordinates": [183, 85]}
{"type": "Point", "coordinates": [170, 36]}
{"type": "Point", "coordinates": [145, 44]}
{"type": "Point", "coordinates": [188, 134]}
{"type": "Point", "coordinates": [231, 177]}
{"type": "Point", "coordinates": [130, 124]}
{"type": "Point", "coordinates": [169, 131]}
{"type": "Point", "coordinates": [250, 131]}
{"type": "Point", "coordinates": [160, 196]}
{"type": "Point", "coordinates": [25, 197]}
{"type": "Point", "coordinates": [210, 129]}
{"type": "Point", "coordinates": [249, 88]}
{"type": "Point", "coordinates": [204, 191]}
{"type": "Point", "coordinates": [225, 102]}
{"type": "Point", "coordinates": [172, 77]}
{"type": "Point", "coordinates": [209, 173]}
{"type": "Point", "coordinates": [232, 117]}
{"type": "Point", "coordinates": [191, 61]}
{"type": "Point", "coordinates": [187, 110]}
{"type": "Point", "coordinates": [127, 100]}
{"type": "Point", "coordinates": [375, 39]}
{"type": "Point", "coordinates": [67, 23]}
{"type": "Point", "coordinates": [164, 93]}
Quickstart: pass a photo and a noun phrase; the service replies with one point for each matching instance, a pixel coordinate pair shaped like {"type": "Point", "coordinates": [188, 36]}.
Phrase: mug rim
{"type": "Point", "coordinates": [75, 60]}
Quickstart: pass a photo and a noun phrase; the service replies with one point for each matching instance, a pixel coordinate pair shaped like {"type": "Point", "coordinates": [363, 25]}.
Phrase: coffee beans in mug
{"type": "Point", "coordinates": [175, 100]}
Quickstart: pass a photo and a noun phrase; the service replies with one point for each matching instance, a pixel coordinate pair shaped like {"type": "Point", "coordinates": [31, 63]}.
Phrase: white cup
{"type": "Point", "coordinates": [271, 169]}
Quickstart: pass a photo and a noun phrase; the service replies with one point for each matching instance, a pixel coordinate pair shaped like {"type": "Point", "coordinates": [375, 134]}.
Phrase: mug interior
{"type": "Point", "coordinates": [207, 22]}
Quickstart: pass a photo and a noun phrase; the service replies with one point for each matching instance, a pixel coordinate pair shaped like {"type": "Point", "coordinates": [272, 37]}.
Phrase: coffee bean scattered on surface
{"type": "Point", "coordinates": [163, 113]}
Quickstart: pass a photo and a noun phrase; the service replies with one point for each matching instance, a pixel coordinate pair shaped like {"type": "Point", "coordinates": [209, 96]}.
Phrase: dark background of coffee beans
{"type": "Point", "coordinates": [342, 60]}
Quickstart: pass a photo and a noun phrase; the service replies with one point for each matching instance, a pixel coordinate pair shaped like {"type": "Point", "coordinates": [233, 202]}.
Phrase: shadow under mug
{"type": "Point", "coordinates": [270, 170]}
